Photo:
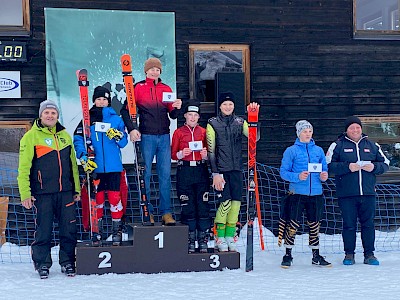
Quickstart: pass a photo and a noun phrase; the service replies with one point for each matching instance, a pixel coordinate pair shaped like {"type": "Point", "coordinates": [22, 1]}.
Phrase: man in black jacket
{"type": "Point", "coordinates": [355, 161]}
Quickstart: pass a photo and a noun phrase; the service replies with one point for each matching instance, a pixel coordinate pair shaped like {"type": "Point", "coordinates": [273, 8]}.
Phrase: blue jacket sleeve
{"type": "Point", "coordinates": [323, 161]}
{"type": "Point", "coordinates": [79, 145]}
{"type": "Point", "coordinates": [287, 167]}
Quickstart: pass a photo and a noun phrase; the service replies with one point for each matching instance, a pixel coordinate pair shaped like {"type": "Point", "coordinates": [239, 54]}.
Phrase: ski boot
{"type": "Point", "coordinates": [222, 244]}
{"type": "Point", "coordinates": [192, 242]}
{"type": "Point", "coordinates": [68, 269]}
{"type": "Point", "coordinates": [202, 240]}
{"type": "Point", "coordinates": [116, 232]}
{"type": "Point", "coordinates": [101, 229]}
{"type": "Point", "coordinates": [231, 243]}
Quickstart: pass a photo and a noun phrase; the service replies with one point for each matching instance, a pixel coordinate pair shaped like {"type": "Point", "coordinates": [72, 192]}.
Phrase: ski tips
{"type": "Point", "coordinates": [126, 63]}
{"type": "Point", "coordinates": [81, 73]}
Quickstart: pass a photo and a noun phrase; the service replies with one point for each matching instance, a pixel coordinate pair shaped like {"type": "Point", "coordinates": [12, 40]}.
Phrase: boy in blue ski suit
{"type": "Point", "coordinates": [305, 190]}
{"type": "Point", "coordinates": [108, 136]}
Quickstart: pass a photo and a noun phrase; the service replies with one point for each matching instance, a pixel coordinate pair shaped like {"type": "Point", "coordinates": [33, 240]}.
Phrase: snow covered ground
{"type": "Point", "coordinates": [267, 281]}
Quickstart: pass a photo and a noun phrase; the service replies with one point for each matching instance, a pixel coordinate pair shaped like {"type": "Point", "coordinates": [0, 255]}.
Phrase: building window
{"type": "Point", "coordinates": [11, 133]}
{"type": "Point", "coordinates": [14, 18]}
{"type": "Point", "coordinates": [209, 60]}
{"type": "Point", "coordinates": [385, 130]}
{"type": "Point", "coordinates": [376, 19]}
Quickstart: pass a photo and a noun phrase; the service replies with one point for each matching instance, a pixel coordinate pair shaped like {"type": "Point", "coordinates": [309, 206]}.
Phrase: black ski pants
{"type": "Point", "coordinates": [193, 185]}
{"type": "Point", "coordinates": [62, 206]}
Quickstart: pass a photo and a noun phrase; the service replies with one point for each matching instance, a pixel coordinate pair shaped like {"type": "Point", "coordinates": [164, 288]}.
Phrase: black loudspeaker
{"type": "Point", "coordinates": [231, 82]}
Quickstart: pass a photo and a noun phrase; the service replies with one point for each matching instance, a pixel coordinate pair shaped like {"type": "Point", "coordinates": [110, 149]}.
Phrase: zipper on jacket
{"type": "Point", "coordinates": [152, 97]}
{"type": "Point", "coordinates": [59, 161]}
{"type": "Point", "coordinates": [192, 132]}
{"type": "Point", "coordinates": [308, 154]}
{"type": "Point", "coordinates": [359, 171]}
{"type": "Point", "coordinates": [102, 148]}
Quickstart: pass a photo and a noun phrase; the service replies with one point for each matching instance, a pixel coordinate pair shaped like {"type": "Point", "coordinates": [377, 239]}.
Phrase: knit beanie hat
{"type": "Point", "coordinates": [48, 104]}
{"type": "Point", "coordinates": [351, 120]}
{"type": "Point", "coordinates": [101, 91]}
{"type": "Point", "coordinates": [228, 96]}
{"type": "Point", "coordinates": [301, 125]}
{"type": "Point", "coordinates": [193, 105]}
{"type": "Point", "coordinates": [151, 63]}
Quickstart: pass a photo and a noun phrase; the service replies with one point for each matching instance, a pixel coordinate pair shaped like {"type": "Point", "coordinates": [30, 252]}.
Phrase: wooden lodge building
{"type": "Point", "coordinates": [300, 59]}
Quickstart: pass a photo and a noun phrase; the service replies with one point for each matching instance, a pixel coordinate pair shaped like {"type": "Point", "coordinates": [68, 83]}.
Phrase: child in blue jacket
{"type": "Point", "coordinates": [108, 136]}
{"type": "Point", "coordinates": [304, 166]}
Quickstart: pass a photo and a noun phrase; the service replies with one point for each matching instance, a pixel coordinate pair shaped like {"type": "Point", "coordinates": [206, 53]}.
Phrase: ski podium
{"type": "Point", "coordinates": [151, 249]}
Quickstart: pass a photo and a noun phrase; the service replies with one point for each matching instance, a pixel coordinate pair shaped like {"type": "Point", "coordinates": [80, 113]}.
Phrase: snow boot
{"type": "Point", "coordinates": [192, 242]}
{"type": "Point", "coordinates": [168, 220]}
{"type": "Point", "coordinates": [68, 269]}
{"type": "Point", "coordinates": [117, 232]}
{"type": "Point", "coordinates": [202, 240]}
{"type": "Point", "coordinates": [286, 261]}
{"type": "Point", "coordinates": [349, 260]}
{"type": "Point", "coordinates": [371, 260]}
{"type": "Point", "coordinates": [43, 272]}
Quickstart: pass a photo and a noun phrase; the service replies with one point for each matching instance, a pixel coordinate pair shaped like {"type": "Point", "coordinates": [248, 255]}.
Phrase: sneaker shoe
{"type": "Point", "coordinates": [43, 272]}
{"type": "Point", "coordinates": [69, 270]}
{"type": "Point", "coordinates": [349, 260]}
{"type": "Point", "coordinates": [231, 243]}
{"type": "Point", "coordinates": [371, 260]}
{"type": "Point", "coordinates": [319, 260]}
{"type": "Point", "coordinates": [286, 261]}
{"type": "Point", "coordinates": [168, 220]}
{"type": "Point", "coordinates": [222, 244]}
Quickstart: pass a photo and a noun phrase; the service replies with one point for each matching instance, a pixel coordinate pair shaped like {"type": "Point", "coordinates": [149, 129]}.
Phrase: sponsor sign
{"type": "Point", "coordinates": [10, 84]}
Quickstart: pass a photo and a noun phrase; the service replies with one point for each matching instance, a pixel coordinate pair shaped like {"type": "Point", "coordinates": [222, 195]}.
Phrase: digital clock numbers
{"type": "Point", "coordinates": [12, 51]}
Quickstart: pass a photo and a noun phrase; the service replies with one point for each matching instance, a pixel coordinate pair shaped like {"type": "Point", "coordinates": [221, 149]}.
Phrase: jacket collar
{"type": "Point", "coordinates": [298, 143]}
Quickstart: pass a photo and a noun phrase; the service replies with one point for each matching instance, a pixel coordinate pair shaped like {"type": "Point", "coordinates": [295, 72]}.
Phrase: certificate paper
{"type": "Point", "coordinates": [314, 167]}
{"type": "Point", "coordinates": [102, 127]}
{"type": "Point", "coordinates": [168, 97]}
{"type": "Point", "coordinates": [196, 146]}
{"type": "Point", "coordinates": [363, 163]}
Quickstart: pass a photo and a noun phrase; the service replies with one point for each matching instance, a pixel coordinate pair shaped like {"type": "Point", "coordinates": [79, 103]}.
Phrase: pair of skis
{"type": "Point", "coordinates": [126, 64]}
{"type": "Point", "coordinates": [252, 184]}
{"type": "Point", "coordinates": [83, 84]}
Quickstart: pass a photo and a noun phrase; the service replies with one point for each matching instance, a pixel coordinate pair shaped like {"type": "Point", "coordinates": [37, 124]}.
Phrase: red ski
{"type": "Point", "coordinates": [126, 64]}
{"type": "Point", "coordinates": [83, 90]}
{"type": "Point", "coordinates": [251, 188]}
